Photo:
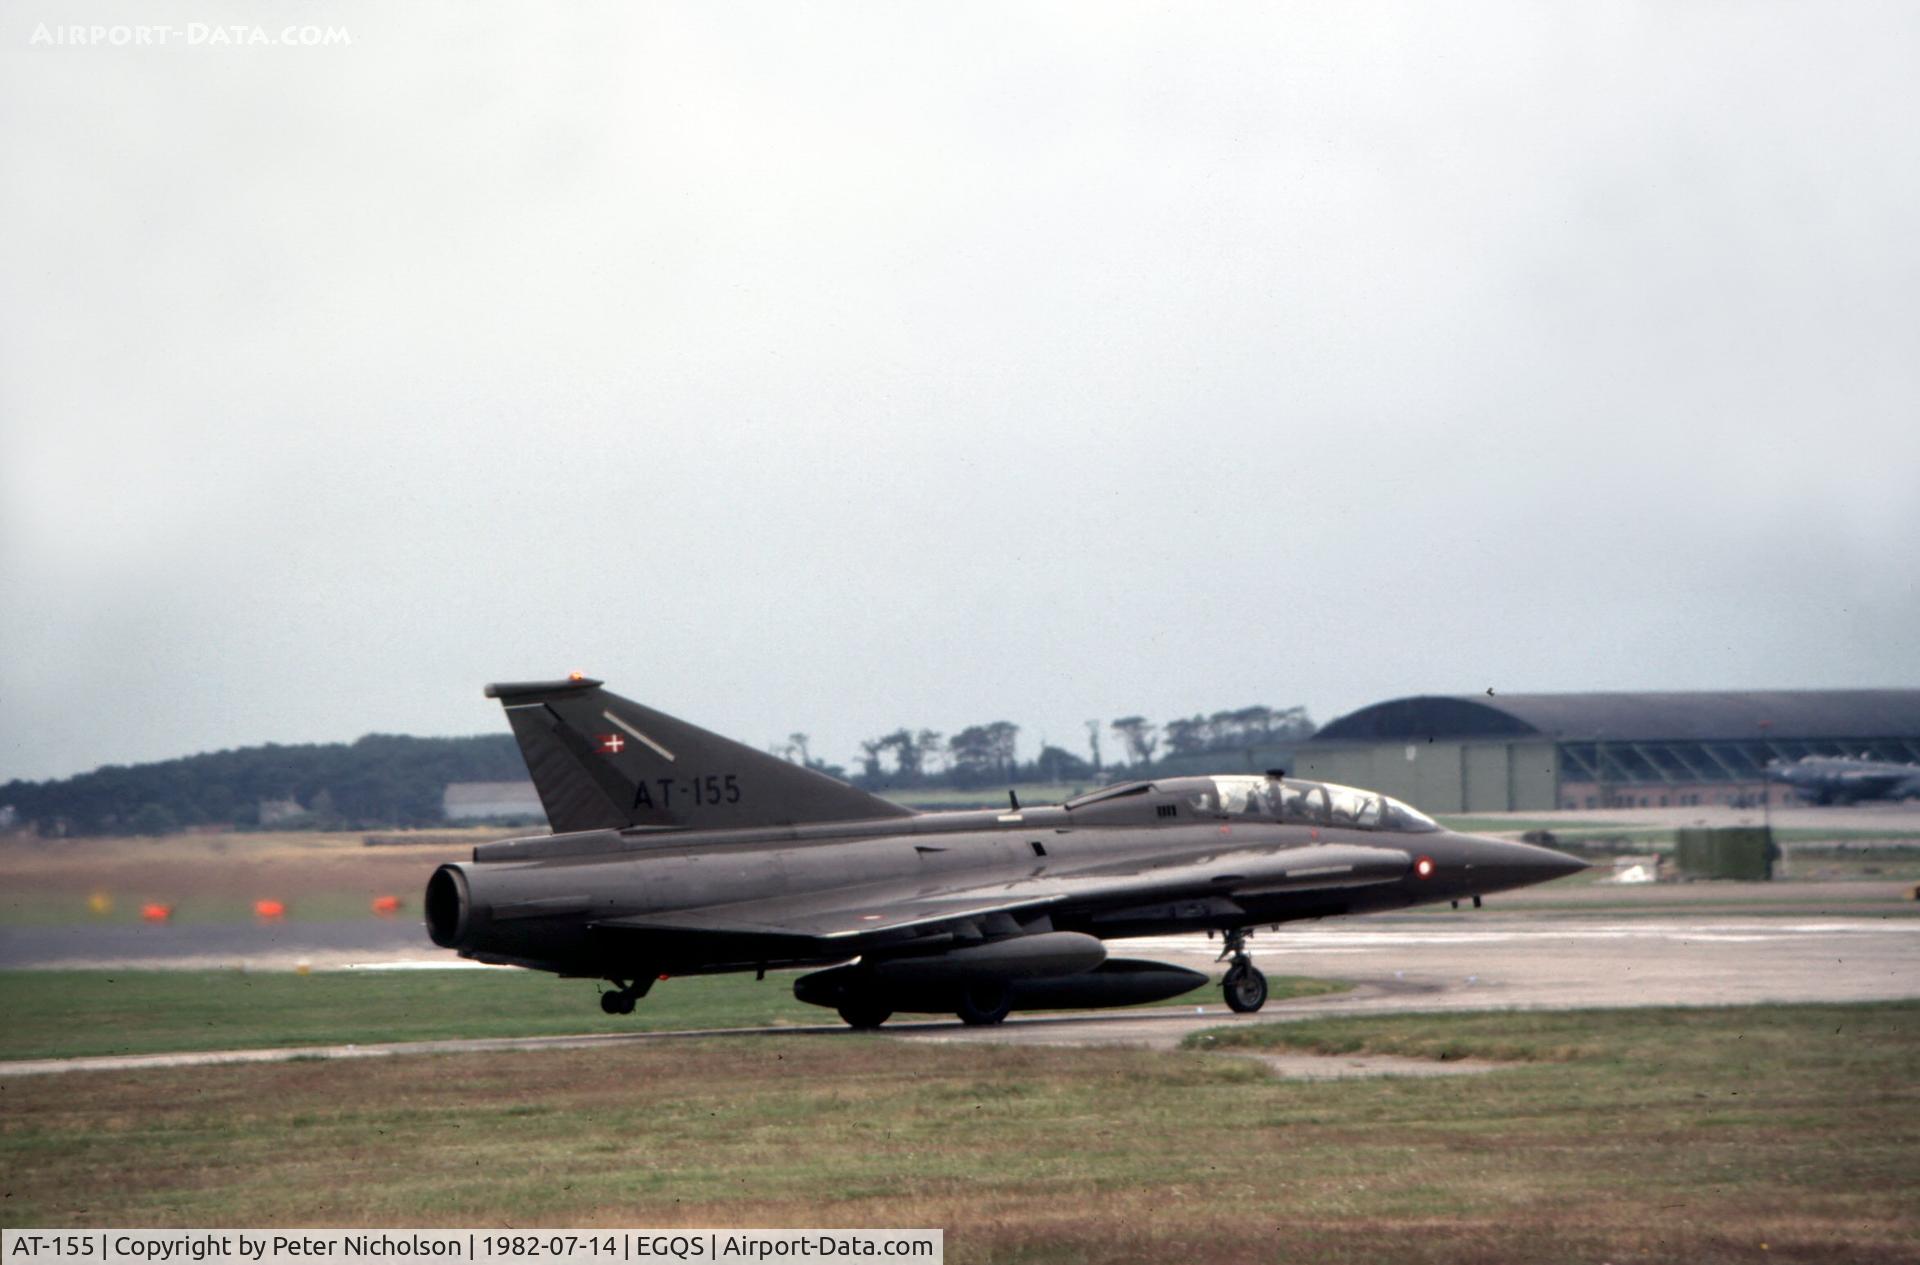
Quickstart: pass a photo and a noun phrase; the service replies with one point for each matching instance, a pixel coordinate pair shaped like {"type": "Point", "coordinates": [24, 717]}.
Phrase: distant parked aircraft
{"type": "Point", "coordinates": [1846, 779]}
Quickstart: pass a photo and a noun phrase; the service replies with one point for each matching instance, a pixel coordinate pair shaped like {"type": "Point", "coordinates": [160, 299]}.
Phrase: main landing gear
{"type": "Point", "coordinates": [985, 1003]}
{"type": "Point", "coordinates": [621, 1000]}
{"type": "Point", "coordinates": [1245, 987]}
{"type": "Point", "coordinates": [864, 1015]}
{"type": "Point", "coordinates": [978, 1004]}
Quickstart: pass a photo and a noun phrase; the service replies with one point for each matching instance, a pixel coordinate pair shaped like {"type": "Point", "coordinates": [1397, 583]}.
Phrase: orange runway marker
{"type": "Point", "coordinates": [386, 906]}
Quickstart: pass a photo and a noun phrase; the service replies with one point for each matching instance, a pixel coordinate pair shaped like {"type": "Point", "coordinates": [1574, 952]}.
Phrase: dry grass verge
{"type": "Point", "coordinates": [1744, 1134]}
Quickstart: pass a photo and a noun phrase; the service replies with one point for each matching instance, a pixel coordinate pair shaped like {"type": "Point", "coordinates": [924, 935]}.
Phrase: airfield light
{"type": "Point", "coordinates": [269, 909]}
{"type": "Point", "coordinates": [156, 912]}
{"type": "Point", "coordinates": [386, 906]}
{"type": "Point", "coordinates": [1424, 867]}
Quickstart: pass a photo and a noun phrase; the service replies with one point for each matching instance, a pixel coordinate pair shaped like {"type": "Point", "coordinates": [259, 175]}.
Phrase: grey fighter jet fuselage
{"type": "Point", "coordinates": [677, 852]}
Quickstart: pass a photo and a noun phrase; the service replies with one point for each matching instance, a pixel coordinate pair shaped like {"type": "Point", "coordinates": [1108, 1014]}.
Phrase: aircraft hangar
{"type": "Point", "coordinates": [1518, 752]}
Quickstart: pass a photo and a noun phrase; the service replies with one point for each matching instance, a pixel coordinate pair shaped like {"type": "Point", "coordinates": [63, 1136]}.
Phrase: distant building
{"type": "Point", "coordinates": [1516, 752]}
{"type": "Point", "coordinates": [486, 801]}
{"type": "Point", "coordinates": [274, 811]}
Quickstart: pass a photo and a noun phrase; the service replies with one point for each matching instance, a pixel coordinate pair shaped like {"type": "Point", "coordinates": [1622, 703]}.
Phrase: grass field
{"type": "Point", "coordinates": [1817, 864]}
{"type": "Point", "coordinates": [59, 1014]}
{"type": "Point", "coordinates": [1741, 1134]}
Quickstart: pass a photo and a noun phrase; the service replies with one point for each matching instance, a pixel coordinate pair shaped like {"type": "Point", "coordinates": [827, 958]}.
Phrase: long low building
{"type": "Point", "coordinates": [1520, 752]}
{"type": "Point", "coordinates": [490, 801]}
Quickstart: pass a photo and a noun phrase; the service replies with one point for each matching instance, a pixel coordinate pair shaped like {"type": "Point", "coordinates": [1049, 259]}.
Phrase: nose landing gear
{"type": "Point", "coordinates": [1244, 986]}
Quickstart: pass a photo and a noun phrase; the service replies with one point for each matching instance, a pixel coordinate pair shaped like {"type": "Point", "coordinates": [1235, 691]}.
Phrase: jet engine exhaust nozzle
{"type": "Point", "coordinates": [447, 904]}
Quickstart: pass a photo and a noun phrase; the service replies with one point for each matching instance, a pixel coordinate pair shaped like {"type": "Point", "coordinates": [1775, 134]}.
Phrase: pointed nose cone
{"type": "Point", "coordinates": [1474, 864]}
{"type": "Point", "coordinates": [1524, 864]}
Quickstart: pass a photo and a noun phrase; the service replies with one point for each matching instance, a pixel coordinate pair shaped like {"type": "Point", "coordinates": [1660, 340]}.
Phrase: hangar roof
{"type": "Point", "coordinates": [1674, 717]}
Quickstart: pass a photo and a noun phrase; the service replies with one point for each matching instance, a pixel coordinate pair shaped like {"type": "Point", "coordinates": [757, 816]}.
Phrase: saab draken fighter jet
{"type": "Point", "coordinates": [678, 852]}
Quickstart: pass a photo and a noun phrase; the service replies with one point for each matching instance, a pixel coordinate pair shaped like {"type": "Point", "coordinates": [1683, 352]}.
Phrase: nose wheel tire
{"type": "Point", "coordinates": [1245, 988]}
{"type": "Point", "coordinates": [865, 1016]}
{"type": "Point", "coordinates": [984, 1004]}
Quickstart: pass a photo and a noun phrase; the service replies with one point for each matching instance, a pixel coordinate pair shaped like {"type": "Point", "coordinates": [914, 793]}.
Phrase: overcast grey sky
{"type": "Point", "coordinates": [837, 367]}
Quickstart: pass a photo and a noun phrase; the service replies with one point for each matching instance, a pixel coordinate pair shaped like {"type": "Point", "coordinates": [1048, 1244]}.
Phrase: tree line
{"type": "Point", "coordinates": [388, 780]}
{"type": "Point", "coordinates": [983, 755]}
{"type": "Point", "coordinates": [380, 780]}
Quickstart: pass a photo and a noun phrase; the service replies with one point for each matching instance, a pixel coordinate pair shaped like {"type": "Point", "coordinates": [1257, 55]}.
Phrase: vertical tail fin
{"type": "Point", "coordinates": [601, 762]}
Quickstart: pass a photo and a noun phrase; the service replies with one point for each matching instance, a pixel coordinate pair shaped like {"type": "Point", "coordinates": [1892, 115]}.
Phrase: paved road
{"type": "Point", "coordinates": [216, 945]}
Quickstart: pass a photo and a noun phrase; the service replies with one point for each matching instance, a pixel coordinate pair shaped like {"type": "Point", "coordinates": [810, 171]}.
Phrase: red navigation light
{"type": "Point", "coordinates": [1424, 867]}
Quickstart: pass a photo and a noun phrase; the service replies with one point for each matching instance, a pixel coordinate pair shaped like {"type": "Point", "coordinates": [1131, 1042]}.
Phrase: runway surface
{"type": "Point", "coordinates": [1718, 954]}
{"type": "Point", "coordinates": [215, 945]}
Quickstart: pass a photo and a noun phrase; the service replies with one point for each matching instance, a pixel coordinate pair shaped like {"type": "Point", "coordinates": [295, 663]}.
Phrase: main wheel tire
{"type": "Point", "coordinates": [984, 1004]}
{"type": "Point", "coordinates": [1245, 988]}
{"type": "Point", "coordinates": [617, 1003]}
{"type": "Point", "coordinates": [865, 1016]}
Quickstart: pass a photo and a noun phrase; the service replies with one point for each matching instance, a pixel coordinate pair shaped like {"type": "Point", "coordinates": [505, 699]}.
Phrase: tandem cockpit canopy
{"type": "Point", "coordinates": [1309, 803]}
